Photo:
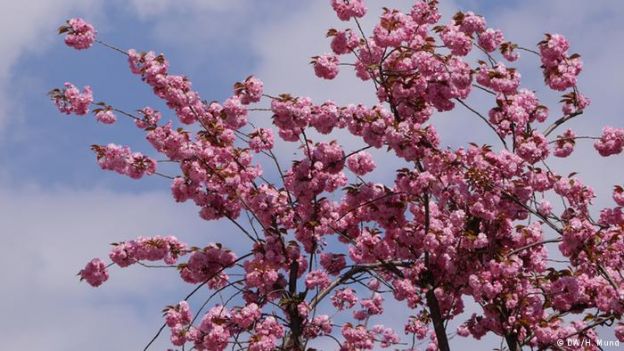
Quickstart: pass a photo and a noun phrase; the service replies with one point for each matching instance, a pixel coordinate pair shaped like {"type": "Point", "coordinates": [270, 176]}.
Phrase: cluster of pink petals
{"type": "Point", "coordinates": [261, 139]}
{"type": "Point", "coordinates": [490, 39]}
{"type": "Point", "coordinates": [532, 148]}
{"type": "Point", "coordinates": [500, 78]}
{"type": "Point", "coordinates": [319, 325]}
{"type": "Point", "coordinates": [565, 144]}
{"type": "Point", "coordinates": [333, 263]}
{"type": "Point", "coordinates": [611, 141]}
{"type": "Point", "coordinates": [560, 70]}
{"type": "Point", "coordinates": [208, 264]}
{"type": "Point", "coordinates": [326, 66]}
{"type": "Point", "coordinates": [361, 163]}
{"type": "Point", "coordinates": [122, 160]}
{"type": "Point", "coordinates": [150, 118]}
{"type": "Point", "coordinates": [94, 272]}
{"type": "Point", "coordinates": [456, 40]}
{"type": "Point", "coordinates": [574, 103]}
{"type": "Point", "coordinates": [249, 91]}
{"type": "Point", "coordinates": [105, 115]}
{"type": "Point", "coordinates": [394, 28]}
{"type": "Point", "coordinates": [347, 9]}
{"type": "Point", "coordinates": [80, 34]}
{"type": "Point", "coordinates": [71, 100]}
{"type": "Point", "coordinates": [178, 319]}
{"type": "Point", "coordinates": [516, 111]}
{"type": "Point", "coordinates": [344, 298]}
{"type": "Point", "coordinates": [618, 195]}
{"type": "Point", "coordinates": [343, 42]}
{"type": "Point", "coordinates": [317, 279]}
{"type": "Point", "coordinates": [156, 248]}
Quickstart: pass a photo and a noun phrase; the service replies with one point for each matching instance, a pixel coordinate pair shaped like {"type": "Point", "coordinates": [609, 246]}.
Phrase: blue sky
{"type": "Point", "coordinates": [58, 209]}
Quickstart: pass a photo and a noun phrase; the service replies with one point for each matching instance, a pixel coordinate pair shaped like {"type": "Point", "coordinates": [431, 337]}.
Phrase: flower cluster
{"type": "Point", "coordinates": [80, 34]}
{"type": "Point", "coordinates": [105, 115]}
{"type": "Point", "coordinates": [565, 144]}
{"type": "Point", "coordinates": [122, 160]}
{"type": "Point", "coordinates": [560, 70]}
{"type": "Point", "coordinates": [94, 272]}
{"type": "Point", "coordinates": [455, 224]}
{"type": "Point", "coordinates": [157, 248]}
{"type": "Point", "coordinates": [178, 319]}
{"type": "Point", "coordinates": [207, 265]}
{"type": "Point", "coordinates": [611, 141]}
{"type": "Point", "coordinates": [71, 100]}
{"type": "Point", "coordinates": [326, 66]}
{"type": "Point", "coordinates": [347, 9]}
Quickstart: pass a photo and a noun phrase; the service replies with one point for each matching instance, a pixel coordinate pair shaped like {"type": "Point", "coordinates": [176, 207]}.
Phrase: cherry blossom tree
{"type": "Point", "coordinates": [472, 225]}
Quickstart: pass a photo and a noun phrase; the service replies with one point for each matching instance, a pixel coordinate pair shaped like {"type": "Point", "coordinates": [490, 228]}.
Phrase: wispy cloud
{"type": "Point", "coordinates": [25, 28]}
{"type": "Point", "coordinates": [49, 235]}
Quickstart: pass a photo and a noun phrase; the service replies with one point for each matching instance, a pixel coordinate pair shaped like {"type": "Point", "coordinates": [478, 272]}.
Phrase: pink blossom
{"type": "Point", "coordinates": [618, 195]}
{"type": "Point", "coordinates": [261, 139]}
{"type": "Point", "coordinates": [266, 335]}
{"type": "Point", "coordinates": [508, 50]}
{"type": "Point", "coordinates": [206, 264]}
{"type": "Point", "coordinates": [386, 336]}
{"type": "Point", "coordinates": [246, 316]}
{"type": "Point", "coordinates": [473, 221]}
{"type": "Point", "coordinates": [156, 248]}
{"type": "Point", "coordinates": [106, 116]}
{"type": "Point", "coordinates": [361, 163]}
{"type": "Point", "coordinates": [179, 314]}
{"type": "Point", "coordinates": [80, 34]}
{"type": "Point", "coordinates": [469, 22]}
{"type": "Point", "coordinates": [560, 70]}
{"type": "Point", "coordinates": [94, 273]}
{"type": "Point", "coordinates": [490, 39]}
{"type": "Point", "coordinates": [319, 325]}
{"type": "Point", "coordinates": [346, 9]}
{"type": "Point", "coordinates": [619, 332]}
{"type": "Point", "coordinates": [343, 42]}
{"type": "Point", "coordinates": [249, 91]}
{"type": "Point", "coordinates": [532, 147]}
{"type": "Point", "coordinates": [574, 103]}
{"type": "Point", "coordinates": [500, 79]}
{"type": "Point", "coordinates": [394, 28]}
{"type": "Point", "coordinates": [417, 327]}
{"type": "Point", "coordinates": [544, 208]}
{"type": "Point", "coordinates": [425, 12]}
{"type": "Point", "coordinates": [344, 298]}
{"type": "Point", "coordinates": [123, 161]}
{"type": "Point", "coordinates": [611, 141]}
{"type": "Point", "coordinates": [150, 118]}
{"type": "Point", "coordinates": [317, 279]}
{"type": "Point", "coordinates": [565, 144]}
{"type": "Point", "coordinates": [372, 306]}
{"type": "Point", "coordinates": [463, 330]}
{"type": "Point", "coordinates": [332, 263]}
{"type": "Point", "coordinates": [357, 337]}
{"type": "Point", "coordinates": [456, 40]}
{"type": "Point", "coordinates": [326, 66]}
{"type": "Point", "coordinates": [212, 334]}
{"type": "Point", "coordinates": [70, 100]}
{"type": "Point", "coordinates": [553, 48]}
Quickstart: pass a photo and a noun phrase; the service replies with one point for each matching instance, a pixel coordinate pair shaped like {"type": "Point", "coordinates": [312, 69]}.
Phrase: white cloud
{"type": "Point", "coordinates": [48, 236]}
{"type": "Point", "coordinates": [153, 8]}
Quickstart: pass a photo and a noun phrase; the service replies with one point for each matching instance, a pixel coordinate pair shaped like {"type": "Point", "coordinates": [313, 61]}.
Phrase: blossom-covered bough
{"type": "Point", "coordinates": [458, 227]}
